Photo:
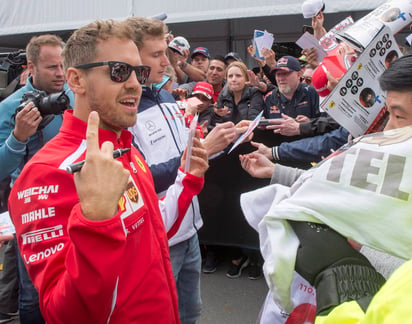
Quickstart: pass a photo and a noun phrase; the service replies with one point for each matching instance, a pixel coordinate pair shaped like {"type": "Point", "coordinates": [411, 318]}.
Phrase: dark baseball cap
{"type": "Point", "coordinates": [288, 64]}
{"type": "Point", "coordinates": [201, 50]}
{"type": "Point", "coordinates": [233, 55]}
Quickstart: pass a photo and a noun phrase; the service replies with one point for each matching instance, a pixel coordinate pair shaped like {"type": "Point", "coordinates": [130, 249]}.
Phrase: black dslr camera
{"type": "Point", "coordinates": [48, 105]}
{"type": "Point", "coordinates": [53, 104]}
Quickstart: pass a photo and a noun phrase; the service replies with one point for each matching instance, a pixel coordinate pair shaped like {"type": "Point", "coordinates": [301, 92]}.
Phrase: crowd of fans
{"type": "Point", "coordinates": [176, 86]}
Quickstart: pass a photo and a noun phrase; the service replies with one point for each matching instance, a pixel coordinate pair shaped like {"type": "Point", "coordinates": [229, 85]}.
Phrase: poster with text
{"type": "Point", "coordinates": [357, 102]}
{"type": "Point", "coordinates": [395, 14]}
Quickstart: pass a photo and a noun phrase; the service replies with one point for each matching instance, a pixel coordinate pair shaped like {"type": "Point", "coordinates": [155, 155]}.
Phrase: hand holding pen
{"type": "Point", "coordinates": [76, 167]}
{"type": "Point", "coordinates": [102, 180]}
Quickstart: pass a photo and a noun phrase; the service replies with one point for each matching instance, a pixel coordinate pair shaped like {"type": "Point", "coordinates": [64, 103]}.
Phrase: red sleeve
{"type": "Point", "coordinates": [69, 258]}
{"type": "Point", "coordinates": [188, 120]}
{"type": "Point", "coordinates": [174, 205]}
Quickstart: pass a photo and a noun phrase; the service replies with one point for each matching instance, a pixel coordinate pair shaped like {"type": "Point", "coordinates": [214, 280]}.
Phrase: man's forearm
{"type": "Point", "coordinates": [192, 72]}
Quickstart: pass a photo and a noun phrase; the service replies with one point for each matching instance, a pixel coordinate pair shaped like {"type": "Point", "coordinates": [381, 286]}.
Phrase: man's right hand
{"type": "Point", "coordinates": [252, 50]}
{"type": "Point", "coordinates": [198, 159]}
{"type": "Point", "coordinates": [270, 57]}
{"type": "Point", "coordinates": [311, 56]}
{"type": "Point", "coordinates": [27, 121]}
{"type": "Point", "coordinates": [219, 137]}
{"type": "Point", "coordinates": [263, 149]}
{"type": "Point", "coordinates": [317, 24]}
{"type": "Point", "coordinates": [102, 180]}
{"type": "Point", "coordinates": [287, 126]}
{"type": "Point", "coordinates": [332, 82]}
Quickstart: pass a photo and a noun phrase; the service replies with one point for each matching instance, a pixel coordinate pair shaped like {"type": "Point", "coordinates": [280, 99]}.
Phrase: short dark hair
{"type": "Point", "coordinates": [219, 58]}
{"type": "Point", "coordinates": [398, 75]}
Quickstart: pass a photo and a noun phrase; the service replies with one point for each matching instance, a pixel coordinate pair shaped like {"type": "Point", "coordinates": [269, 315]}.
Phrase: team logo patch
{"type": "Point", "coordinates": [140, 163]}
{"type": "Point", "coordinates": [43, 234]}
{"type": "Point", "coordinates": [129, 204]}
{"type": "Point", "coordinates": [150, 125]}
{"type": "Point", "coordinates": [132, 192]}
{"type": "Point", "coordinates": [122, 204]}
{"type": "Point", "coordinates": [282, 61]}
{"type": "Point", "coordinates": [274, 110]}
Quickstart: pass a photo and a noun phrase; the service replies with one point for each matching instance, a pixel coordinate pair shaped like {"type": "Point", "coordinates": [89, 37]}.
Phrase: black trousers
{"type": "Point", "coordinates": [9, 286]}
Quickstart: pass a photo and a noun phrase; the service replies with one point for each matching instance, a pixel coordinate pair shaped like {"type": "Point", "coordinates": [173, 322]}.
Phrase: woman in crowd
{"type": "Point", "coordinates": [238, 100]}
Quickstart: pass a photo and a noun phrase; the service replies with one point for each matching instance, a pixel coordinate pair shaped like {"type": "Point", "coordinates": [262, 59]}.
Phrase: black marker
{"type": "Point", "coordinates": [76, 167]}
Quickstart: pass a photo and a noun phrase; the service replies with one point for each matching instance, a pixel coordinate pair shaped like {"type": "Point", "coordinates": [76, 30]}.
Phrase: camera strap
{"type": "Point", "coordinates": [46, 120]}
{"type": "Point", "coordinates": [10, 88]}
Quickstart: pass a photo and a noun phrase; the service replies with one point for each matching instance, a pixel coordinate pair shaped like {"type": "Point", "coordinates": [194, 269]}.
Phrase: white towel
{"type": "Point", "coordinates": [364, 193]}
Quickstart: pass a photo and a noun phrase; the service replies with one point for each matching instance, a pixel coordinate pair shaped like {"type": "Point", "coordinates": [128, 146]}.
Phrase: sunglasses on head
{"type": "Point", "coordinates": [121, 71]}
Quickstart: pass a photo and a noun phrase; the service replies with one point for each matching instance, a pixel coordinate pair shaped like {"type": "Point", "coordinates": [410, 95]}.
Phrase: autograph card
{"type": "Point", "coordinates": [250, 129]}
{"type": "Point", "coordinates": [262, 39]}
{"type": "Point", "coordinates": [192, 132]}
{"type": "Point", "coordinates": [308, 41]}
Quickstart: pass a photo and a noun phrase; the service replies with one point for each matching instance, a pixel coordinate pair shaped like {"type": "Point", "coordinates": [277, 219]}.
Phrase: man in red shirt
{"type": "Point", "coordinates": [94, 242]}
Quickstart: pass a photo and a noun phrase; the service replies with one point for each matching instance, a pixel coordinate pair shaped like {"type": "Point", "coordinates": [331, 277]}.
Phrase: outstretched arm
{"type": "Point", "coordinates": [257, 165]}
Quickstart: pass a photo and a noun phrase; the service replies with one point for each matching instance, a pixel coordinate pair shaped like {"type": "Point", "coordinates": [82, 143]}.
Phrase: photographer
{"type": "Point", "coordinates": [21, 137]}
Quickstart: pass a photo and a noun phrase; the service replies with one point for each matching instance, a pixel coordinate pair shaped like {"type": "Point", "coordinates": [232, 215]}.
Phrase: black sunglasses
{"type": "Point", "coordinates": [120, 71]}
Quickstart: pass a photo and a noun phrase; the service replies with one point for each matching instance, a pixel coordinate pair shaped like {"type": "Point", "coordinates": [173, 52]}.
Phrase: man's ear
{"type": "Point", "coordinates": [75, 80]}
{"type": "Point", "coordinates": [30, 67]}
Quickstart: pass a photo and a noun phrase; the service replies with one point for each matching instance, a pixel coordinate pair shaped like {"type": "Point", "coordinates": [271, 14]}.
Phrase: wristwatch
{"type": "Point", "coordinates": [182, 65]}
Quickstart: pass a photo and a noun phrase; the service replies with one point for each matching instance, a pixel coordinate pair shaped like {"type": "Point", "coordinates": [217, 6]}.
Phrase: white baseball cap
{"type": "Point", "coordinates": [179, 44]}
{"type": "Point", "coordinates": [310, 8]}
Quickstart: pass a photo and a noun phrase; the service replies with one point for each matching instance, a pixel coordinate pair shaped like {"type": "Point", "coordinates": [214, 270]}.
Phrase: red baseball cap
{"type": "Point", "coordinates": [205, 89]}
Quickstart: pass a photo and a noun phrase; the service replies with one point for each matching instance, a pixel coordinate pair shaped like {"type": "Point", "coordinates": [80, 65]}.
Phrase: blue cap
{"type": "Point", "coordinates": [201, 50]}
{"type": "Point", "coordinates": [288, 64]}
